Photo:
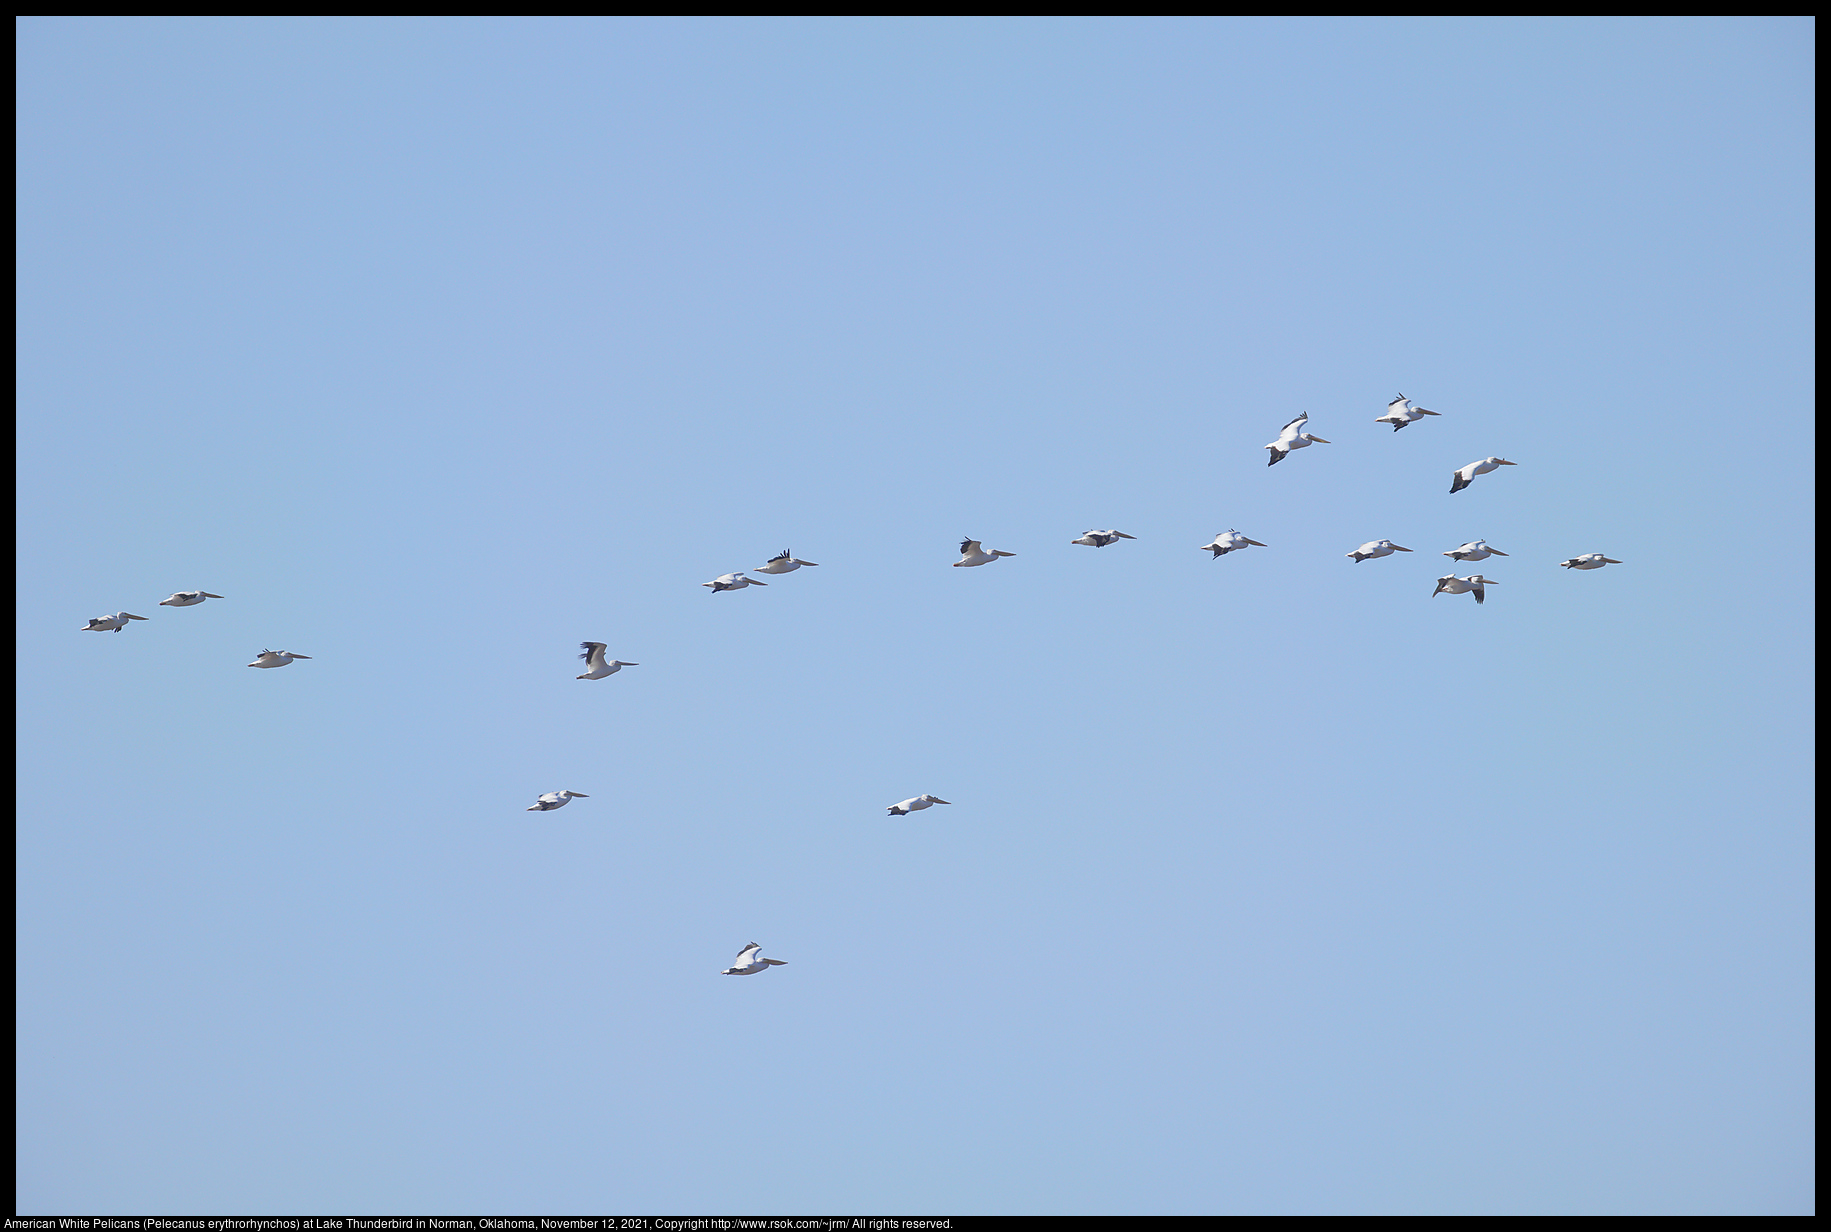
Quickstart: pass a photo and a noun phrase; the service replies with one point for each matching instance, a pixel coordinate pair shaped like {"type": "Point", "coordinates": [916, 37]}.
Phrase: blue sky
{"type": "Point", "coordinates": [1271, 884]}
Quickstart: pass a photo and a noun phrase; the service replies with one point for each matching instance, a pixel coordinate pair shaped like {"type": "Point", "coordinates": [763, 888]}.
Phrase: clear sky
{"type": "Point", "coordinates": [1270, 884]}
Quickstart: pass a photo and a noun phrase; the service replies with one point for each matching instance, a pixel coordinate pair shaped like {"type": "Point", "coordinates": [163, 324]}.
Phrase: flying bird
{"type": "Point", "coordinates": [276, 658]}
{"type": "Point", "coordinates": [1466, 475]}
{"type": "Point", "coordinates": [782, 562]}
{"type": "Point", "coordinates": [187, 598]}
{"type": "Point", "coordinates": [1376, 549]}
{"type": "Point", "coordinates": [731, 581]}
{"type": "Point", "coordinates": [916, 805]}
{"type": "Point", "coordinates": [972, 554]}
{"type": "Point", "coordinates": [1293, 437]}
{"type": "Point", "coordinates": [1229, 541]}
{"type": "Point", "coordinates": [110, 624]}
{"type": "Point", "coordinates": [1595, 560]}
{"type": "Point", "coordinates": [1101, 538]}
{"type": "Point", "coordinates": [553, 800]}
{"type": "Point", "coordinates": [595, 666]}
{"type": "Point", "coordinates": [1478, 550]}
{"type": "Point", "coordinates": [1450, 584]}
{"type": "Point", "coordinates": [1401, 411]}
{"type": "Point", "coordinates": [750, 961]}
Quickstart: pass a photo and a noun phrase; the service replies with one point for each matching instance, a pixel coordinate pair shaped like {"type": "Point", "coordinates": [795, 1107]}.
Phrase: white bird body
{"type": "Point", "coordinates": [1450, 584]}
{"type": "Point", "coordinates": [276, 658]}
{"type": "Point", "coordinates": [1478, 550]}
{"type": "Point", "coordinates": [187, 598]}
{"type": "Point", "coordinates": [1466, 475]}
{"type": "Point", "coordinates": [784, 563]}
{"type": "Point", "coordinates": [554, 799]}
{"type": "Point", "coordinates": [1375, 550]}
{"type": "Point", "coordinates": [972, 554]}
{"type": "Point", "coordinates": [731, 581]}
{"type": "Point", "coordinates": [1401, 411]}
{"type": "Point", "coordinates": [1229, 541]}
{"type": "Point", "coordinates": [750, 960]}
{"type": "Point", "coordinates": [1594, 560]}
{"type": "Point", "coordinates": [916, 804]}
{"type": "Point", "coordinates": [110, 624]}
{"type": "Point", "coordinates": [1101, 538]}
{"type": "Point", "coordinates": [596, 668]}
{"type": "Point", "coordinates": [1292, 437]}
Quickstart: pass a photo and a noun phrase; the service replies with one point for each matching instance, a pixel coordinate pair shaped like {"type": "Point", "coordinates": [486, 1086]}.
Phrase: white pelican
{"type": "Point", "coordinates": [1229, 541]}
{"type": "Point", "coordinates": [1478, 550]}
{"type": "Point", "coordinates": [1450, 584]}
{"type": "Point", "coordinates": [554, 799]}
{"type": "Point", "coordinates": [276, 658]}
{"type": "Point", "coordinates": [595, 666]}
{"type": "Point", "coordinates": [1595, 560]}
{"type": "Point", "coordinates": [972, 554]}
{"type": "Point", "coordinates": [916, 805]}
{"type": "Point", "coordinates": [749, 961]}
{"type": "Point", "coordinates": [1101, 538]}
{"type": "Point", "coordinates": [1466, 475]}
{"type": "Point", "coordinates": [731, 581]}
{"type": "Point", "coordinates": [782, 562]}
{"type": "Point", "coordinates": [1293, 437]}
{"type": "Point", "coordinates": [110, 624]}
{"type": "Point", "coordinates": [187, 598]}
{"type": "Point", "coordinates": [1376, 549]}
{"type": "Point", "coordinates": [1401, 411]}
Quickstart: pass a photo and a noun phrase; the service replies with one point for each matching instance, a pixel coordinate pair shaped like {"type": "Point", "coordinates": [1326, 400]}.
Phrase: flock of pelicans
{"type": "Point", "coordinates": [1399, 413]}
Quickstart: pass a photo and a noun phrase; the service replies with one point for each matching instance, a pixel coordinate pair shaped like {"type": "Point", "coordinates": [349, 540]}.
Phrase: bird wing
{"type": "Point", "coordinates": [747, 955]}
{"type": "Point", "coordinates": [594, 654]}
{"type": "Point", "coordinates": [969, 547]}
{"type": "Point", "coordinates": [1481, 594]}
{"type": "Point", "coordinates": [1290, 430]}
{"type": "Point", "coordinates": [782, 555]}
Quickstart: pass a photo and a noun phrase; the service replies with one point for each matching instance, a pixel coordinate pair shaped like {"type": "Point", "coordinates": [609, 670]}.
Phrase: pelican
{"type": "Point", "coordinates": [1101, 538]}
{"type": "Point", "coordinates": [1595, 560]}
{"type": "Point", "coordinates": [782, 562]}
{"type": "Point", "coordinates": [553, 800]}
{"type": "Point", "coordinates": [276, 658]}
{"type": "Point", "coordinates": [1229, 541]}
{"type": "Point", "coordinates": [916, 805]}
{"type": "Point", "coordinates": [1293, 437]}
{"type": "Point", "coordinates": [1466, 475]}
{"type": "Point", "coordinates": [1376, 549]}
{"type": "Point", "coordinates": [972, 554]}
{"type": "Point", "coordinates": [110, 624]}
{"type": "Point", "coordinates": [749, 961]}
{"type": "Point", "coordinates": [1401, 411]}
{"type": "Point", "coordinates": [1478, 550]}
{"type": "Point", "coordinates": [731, 581]}
{"type": "Point", "coordinates": [187, 598]}
{"type": "Point", "coordinates": [595, 666]}
{"type": "Point", "coordinates": [1450, 584]}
